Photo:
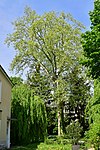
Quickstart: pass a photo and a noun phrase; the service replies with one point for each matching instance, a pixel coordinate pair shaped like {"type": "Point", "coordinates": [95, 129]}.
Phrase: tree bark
{"type": "Point", "coordinates": [59, 123]}
{"type": "Point", "coordinates": [63, 130]}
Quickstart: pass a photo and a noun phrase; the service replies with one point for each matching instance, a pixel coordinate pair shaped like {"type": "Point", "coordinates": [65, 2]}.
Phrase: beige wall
{"type": "Point", "coordinates": [4, 106]}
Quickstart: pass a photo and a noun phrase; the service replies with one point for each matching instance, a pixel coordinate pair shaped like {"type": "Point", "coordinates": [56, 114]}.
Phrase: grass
{"type": "Point", "coordinates": [43, 146]}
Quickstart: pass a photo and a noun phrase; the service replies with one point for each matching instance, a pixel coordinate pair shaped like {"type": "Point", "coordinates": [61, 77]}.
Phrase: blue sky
{"type": "Point", "coordinates": [10, 10]}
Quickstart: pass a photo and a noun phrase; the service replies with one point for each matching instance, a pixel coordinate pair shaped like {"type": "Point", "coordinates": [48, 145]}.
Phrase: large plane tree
{"type": "Point", "coordinates": [50, 41]}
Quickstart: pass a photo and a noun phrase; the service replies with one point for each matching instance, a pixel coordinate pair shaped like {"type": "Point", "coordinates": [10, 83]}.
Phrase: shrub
{"type": "Point", "coordinates": [73, 131]}
{"type": "Point", "coordinates": [57, 140]}
{"type": "Point", "coordinates": [93, 136]}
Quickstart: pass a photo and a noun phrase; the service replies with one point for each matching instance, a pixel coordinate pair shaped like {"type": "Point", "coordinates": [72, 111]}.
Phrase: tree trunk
{"type": "Point", "coordinates": [63, 130]}
{"type": "Point", "coordinates": [59, 123]}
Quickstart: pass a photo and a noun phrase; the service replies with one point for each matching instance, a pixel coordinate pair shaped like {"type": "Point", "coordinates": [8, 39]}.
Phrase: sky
{"type": "Point", "coordinates": [10, 10]}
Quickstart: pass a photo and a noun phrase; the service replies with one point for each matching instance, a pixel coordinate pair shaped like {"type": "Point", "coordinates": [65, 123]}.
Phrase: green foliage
{"type": "Point", "coordinates": [78, 96]}
{"type": "Point", "coordinates": [51, 121]}
{"type": "Point", "coordinates": [43, 146]}
{"type": "Point", "coordinates": [91, 47]}
{"type": "Point", "coordinates": [48, 45]}
{"type": "Point", "coordinates": [73, 131]}
{"type": "Point", "coordinates": [93, 106]}
{"type": "Point", "coordinates": [57, 140]}
{"type": "Point", "coordinates": [40, 84]}
{"type": "Point", "coordinates": [45, 40]}
{"type": "Point", "coordinates": [93, 112]}
{"type": "Point", "coordinates": [93, 136]}
{"type": "Point", "coordinates": [91, 42]}
{"type": "Point", "coordinates": [30, 112]}
{"type": "Point", "coordinates": [16, 80]}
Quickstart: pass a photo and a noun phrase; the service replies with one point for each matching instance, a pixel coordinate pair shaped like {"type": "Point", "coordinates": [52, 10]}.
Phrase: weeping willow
{"type": "Point", "coordinates": [30, 114]}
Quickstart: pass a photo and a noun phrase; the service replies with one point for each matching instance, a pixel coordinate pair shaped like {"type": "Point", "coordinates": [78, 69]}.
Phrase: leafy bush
{"type": "Point", "coordinates": [50, 141]}
{"type": "Point", "coordinates": [73, 131]}
{"type": "Point", "coordinates": [63, 140]}
{"type": "Point", "coordinates": [93, 113]}
{"type": "Point", "coordinates": [57, 140]}
{"type": "Point", "coordinates": [93, 135]}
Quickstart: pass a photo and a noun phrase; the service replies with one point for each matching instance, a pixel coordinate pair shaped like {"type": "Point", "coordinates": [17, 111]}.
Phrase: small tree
{"type": "Point", "coordinates": [30, 114]}
{"type": "Point", "coordinates": [79, 94]}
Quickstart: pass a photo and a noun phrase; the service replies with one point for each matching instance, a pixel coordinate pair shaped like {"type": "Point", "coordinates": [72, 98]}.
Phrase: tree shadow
{"type": "Point", "coordinates": [33, 146]}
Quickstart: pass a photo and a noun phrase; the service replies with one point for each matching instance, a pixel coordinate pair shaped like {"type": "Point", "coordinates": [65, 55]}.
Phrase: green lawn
{"type": "Point", "coordinates": [43, 146]}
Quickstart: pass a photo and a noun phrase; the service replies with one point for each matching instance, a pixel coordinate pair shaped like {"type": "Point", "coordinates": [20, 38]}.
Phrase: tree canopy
{"type": "Point", "coordinates": [50, 43]}
{"type": "Point", "coordinates": [91, 42]}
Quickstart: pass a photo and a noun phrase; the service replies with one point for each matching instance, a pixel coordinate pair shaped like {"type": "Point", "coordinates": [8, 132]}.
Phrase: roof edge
{"type": "Point", "coordinates": [5, 74]}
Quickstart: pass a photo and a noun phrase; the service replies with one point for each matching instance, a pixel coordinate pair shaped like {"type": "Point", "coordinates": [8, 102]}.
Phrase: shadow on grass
{"type": "Point", "coordinates": [33, 146]}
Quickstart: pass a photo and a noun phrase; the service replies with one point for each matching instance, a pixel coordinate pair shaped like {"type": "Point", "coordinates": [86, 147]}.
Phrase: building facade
{"type": "Point", "coordinates": [5, 108]}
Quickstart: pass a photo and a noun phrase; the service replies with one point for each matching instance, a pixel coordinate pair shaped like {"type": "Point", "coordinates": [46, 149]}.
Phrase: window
{"type": "Point", "coordinates": [0, 90]}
